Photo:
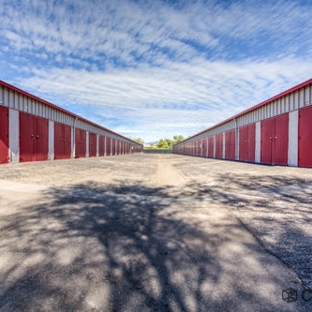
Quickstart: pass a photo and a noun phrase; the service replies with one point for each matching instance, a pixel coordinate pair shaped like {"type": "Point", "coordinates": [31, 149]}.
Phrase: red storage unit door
{"type": "Point", "coordinates": [101, 145]}
{"type": "Point", "coordinates": [108, 146]}
{"type": "Point", "coordinates": [62, 141]}
{"type": "Point", "coordinates": [80, 143]}
{"type": "Point", "coordinates": [247, 142]}
{"type": "Point", "coordinates": [92, 144]}
{"type": "Point", "coordinates": [219, 145]}
{"type": "Point", "coordinates": [113, 147]}
{"type": "Point", "coordinates": [67, 135]}
{"type": "Point", "coordinates": [280, 150]}
{"type": "Point", "coordinates": [266, 140]}
{"type": "Point", "coordinates": [204, 147]}
{"type": "Point", "coordinates": [230, 144]}
{"type": "Point", "coordinates": [42, 138]}
{"type": "Point", "coordinates": [34, 136]}
{"type": "Point", "coordinates": [305, 137]}
{"type": "Point", "coordinates": [274, 140]}
{"type": "Point", "coordinates": [203, 150]}
{"type": "Point", "coordinates": [4, 135]}
{"type": "Point", "coordinates": [118, 147]}
{"type": "Point", "coordinates": [27, 130]}
{"type": "Point", "coordinates": [210, 146]}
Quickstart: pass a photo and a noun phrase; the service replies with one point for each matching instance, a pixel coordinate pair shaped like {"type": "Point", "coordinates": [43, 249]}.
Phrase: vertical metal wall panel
{"type": "Point", "coordinates": [293, 138]}
{"type": "Point", "coordinates": [87, 143]}
{"type": "Point", "coordinates": [237, 141]}
{"type": "Point", "coordinates": [113, 146]}
{"type": "Point", "coordinates": [258, 143]}
{"type": "Point", "coordinates": [51, 140]}
{"type": "Point", "coordinates": [80, 143]}
{"type": "Point", "coordinates": [1, 95]}
{"type": "Point", "coordinates": [4, 135]}
{"type": "Point", "coordinates": [223, 145]}
{"type": "Point", "coordinates": [196, 148]}
{"type": "Point", "coordinates": [230, 144]}
{"type": "Point", "coordinates": [116, 147]}
{"type": "Point", "coordinates": [72, 136]}
{"type": "Point", "coordinates": [219, 145]}
{"type": "Point", "coordinates": [101, 145]}
{"type": "Point", "coordinates": [97, 145]}
{"type": "Point", "coordinates": [204, 149]}
{"type": "Point", "coordinates": [305, 137]}
{"type": "Point", "coordinates": [62, 141]}
{"type": "Point", "coordinates": [92, 144]}
{"type": "Point", "coordinates": [247, 142]}
{"type": "Point", "coordinates": [214, 146]}
{"type": "Point", "coordinates": [14, 135]}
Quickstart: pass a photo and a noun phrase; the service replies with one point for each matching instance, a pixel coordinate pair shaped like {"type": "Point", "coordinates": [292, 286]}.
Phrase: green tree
{"type": "Point", "coordinates": [167, 143]}
{"type": "Point", "coordinates": [177, 139]}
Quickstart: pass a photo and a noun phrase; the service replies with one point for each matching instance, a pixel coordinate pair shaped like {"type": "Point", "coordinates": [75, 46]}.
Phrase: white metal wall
{"type": "Point", "coordinates": [293, 138]}
{"type": "Point", "coordinates": [14, 135]}
{"type": "Point", "coordinates": [51, 140]}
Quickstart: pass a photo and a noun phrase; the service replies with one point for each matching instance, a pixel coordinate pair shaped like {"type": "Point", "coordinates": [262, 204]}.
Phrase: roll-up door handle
{"type": "Point", "coordinates": [38, 137]}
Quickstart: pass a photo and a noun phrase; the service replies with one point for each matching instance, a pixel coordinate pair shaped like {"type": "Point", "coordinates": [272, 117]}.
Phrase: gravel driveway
{"type": "Point", "coordinates": [155, 233]}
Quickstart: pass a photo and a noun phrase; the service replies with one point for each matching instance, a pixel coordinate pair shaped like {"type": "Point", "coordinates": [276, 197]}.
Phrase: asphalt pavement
{"type": "Point", "coordinates": [154, 233]}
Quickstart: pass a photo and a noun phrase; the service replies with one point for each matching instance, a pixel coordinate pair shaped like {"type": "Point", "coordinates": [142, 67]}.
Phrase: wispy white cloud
{"type": "Point", "coordinates": [152, 67]}
{"type": "Point", "coordinates": [191, 96]}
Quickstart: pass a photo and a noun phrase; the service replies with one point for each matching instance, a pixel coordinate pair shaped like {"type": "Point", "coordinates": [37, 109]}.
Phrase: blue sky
{"type": "Point", "coordinates": [154, 69]}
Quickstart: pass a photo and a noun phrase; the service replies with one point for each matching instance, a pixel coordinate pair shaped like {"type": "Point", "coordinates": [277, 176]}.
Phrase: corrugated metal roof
{"type": "Point", "coordinates": [280, 95]}
{"type": "Point", "coordinates": [11, 87]}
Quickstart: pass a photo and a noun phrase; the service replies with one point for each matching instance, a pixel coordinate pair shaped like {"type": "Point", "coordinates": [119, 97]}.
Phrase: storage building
{"type": "Point", "coordinates": [277, 131]}
{"type": "Point", "coordinates": [33, 129]}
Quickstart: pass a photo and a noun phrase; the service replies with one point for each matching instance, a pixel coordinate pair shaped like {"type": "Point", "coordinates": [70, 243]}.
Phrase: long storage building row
{"type": "Point", "coordinates": [33, 129]}
{"type": "Point", "coordinates": [277, 131]}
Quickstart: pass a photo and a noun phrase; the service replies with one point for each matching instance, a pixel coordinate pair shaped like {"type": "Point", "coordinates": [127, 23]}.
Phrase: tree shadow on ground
{"type": "Point", "coordinates": [278, 211]}
{"type": "Point", "coordinates": [130, 247]}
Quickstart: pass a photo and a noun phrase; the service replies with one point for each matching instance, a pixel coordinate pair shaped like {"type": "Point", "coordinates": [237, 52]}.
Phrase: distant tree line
{"type": "Point", "coordinates": [168, 143]}
{"type": "Point", "coordinates": [163, 143]}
